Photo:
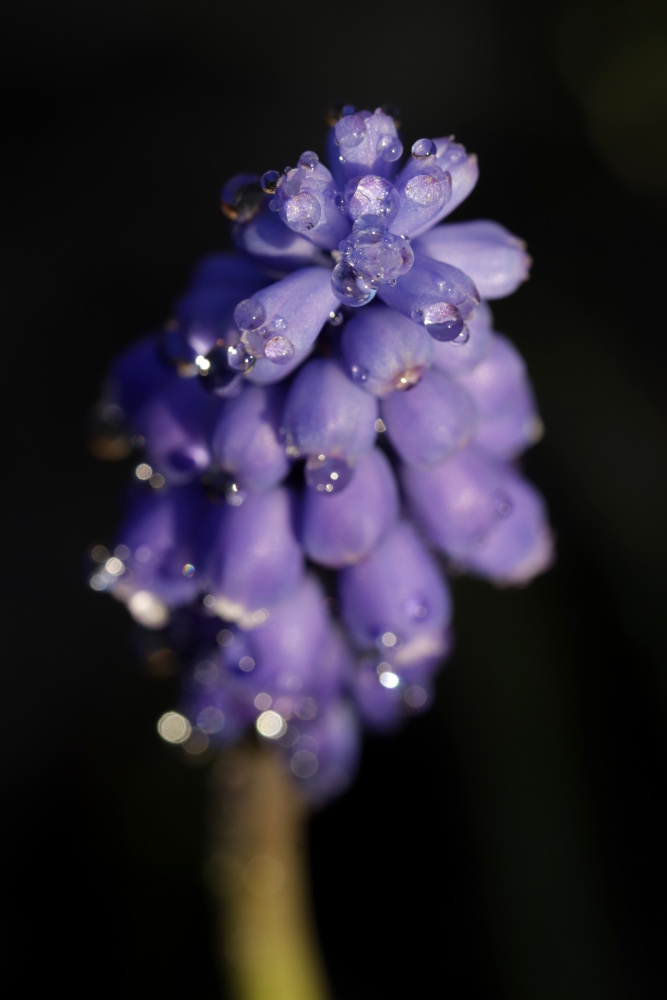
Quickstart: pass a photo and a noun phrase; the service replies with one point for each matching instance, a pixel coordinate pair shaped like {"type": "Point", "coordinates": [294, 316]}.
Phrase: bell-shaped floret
{"type": "Point", "coordinates": [431, 420]}
{"type": "Point", "coordinates": [324, 756]}
{"type": "Point", "coordinates": [436, 295]}
{"type": "Point", "coordinates": [250, 554]}
{"type": "Point", "coordinates": [467, 350]}
{"type": "Point", "coordinates": [384, 350]}
{"type": "Point", "coordinates": [362, 143]}
{"type": "Point", "coordinates": [136, 375]}
{"type": "Point", "coordinates": [386, 694]}
{"type": "Point", "coordinates": [308, 203]}
{"type": "Point", "coordinates": [175, 424]}
{"type": "Point", "coordinates": [340, 528]}
{"type": "Point", "coordinates": [396, 599]}
{"type": "Point", "coordinates": [436, 178]}
{"type": "Point", "coordinates": [280, 324]}
{"type": "Point", "coordinates": [327, 414]}
{"type": "Point", "coordinates": [495, 259]}
{"type": "Point", "coordinates": [271, 244]}
{"type": "Point", "coordinates": [509, 421]}
{"type": "Point", "coordinates": [483, 515]}
{"type": "Point", "coordinates": [154, 568]}
{"type": "Point", "coordinates": [246, 441]}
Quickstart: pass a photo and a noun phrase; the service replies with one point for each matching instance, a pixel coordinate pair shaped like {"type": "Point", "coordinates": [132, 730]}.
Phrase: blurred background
{"type": "Point", "coordinates": [511, 842]}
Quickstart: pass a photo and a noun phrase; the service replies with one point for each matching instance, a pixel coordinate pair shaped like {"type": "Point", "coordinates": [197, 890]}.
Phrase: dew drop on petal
{"type": "Point", "coordinates": [350, 130]}
{"type": "Point", "coordinates": [389, 148]}
{"type": "Point", "coordinates": [279, 350]}
{"type": "Point", "coordinates": [327, 474]}
{"type": "Point", "coordinates": [302, 212]}
{"type": "Point", "coordinates": [358, 373]}
{"type": "Point", "coordinates": [249, 314]}
{"type": "Point", "coordinates": [423, 148]}
{"type": "Point", "coordinates": [425, 190]}
{"type": "Point", "coordinates": [348, 286]}
{"type": "Point", "coordinates": [463, 337]}
{"type": "Point", "coordinates": [238, 359]}
{"type": "Point", "coordinates": [309, 160]}
{"type": "Point", "coordinates": [269, 181]}
{"type": "Point", "coordinates": [335, 318]}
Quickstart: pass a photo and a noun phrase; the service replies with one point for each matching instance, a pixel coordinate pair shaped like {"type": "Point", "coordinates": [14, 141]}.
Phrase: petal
{"type": "Point", "coordinates": [326, 413]}
{"type": "Point", "coordinates": [463, 354]}
{"type": "Point", "coordinates": [380, 346]}
{"type": "Point", "coordinates": [397, 599]}
{"type": "Point", "coordinates": [434, 294]}
{"type": "Point", "coordinates": [338, 529]}
{"type": "Point", "coordinates": [495, 259]}
{"type": "Point", "coordinates": [175, 424]}
{"type": "Point", "coordinates": [246, 439]}
{"type": "Point", "coordinates": [268, 240]}
{"type": "Point", "coordinates": [429, 421]}
{"type": "Point", "coordinates": [422, 204]}
{"type": "Point", "coordinates": [302, 302]}
{"type": "Point", "coordinates": [363, 143]}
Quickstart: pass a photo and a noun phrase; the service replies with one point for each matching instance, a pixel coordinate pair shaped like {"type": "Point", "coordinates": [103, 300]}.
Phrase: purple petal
{"type": "Point", "coordinates": [308, 203]}
{"type": "Point", "coordinates": [438, 296]}
{"type": "Point", "coordinates": [495, 259]}
{"type": "Point", "coordinates": [462, 354]}
{"type": "Point", "coordinates": [482, 514]}
{"type": "Point", "coordinates": [363, 143]}
{"type": "Point", "coordinates": [429, 421]}
{"type": "Point", "coordinates": [175, 424]}
{"type": "Point", "coordinates": [396, 599]}
{"type": "Point", "coordinates": [499, 385]}
{"type": "Point", "coordinates": [326, 413]}
{"type": "Point", "coordinates": [433, 186]}
{"type": "Point", "coordinates": [246, 440]}
{"type": "Point", "coordinates": [324, 757]}
{"type": "Point", "coordinates": [268, 240]}
{"type": "Point", "coordinates": [381, 347]}
{"type": "Point", "coordinates": [338, 529]}
{"type": "Point", "coordinates": [250, 554]}
{"type": "Point", "coordinates": [298, 305]}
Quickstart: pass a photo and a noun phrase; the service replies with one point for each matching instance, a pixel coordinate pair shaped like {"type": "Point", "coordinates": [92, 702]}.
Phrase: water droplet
{"type": "Point", "coordinates": [371, 195]}
{"type": "Point", "coordinates": [350, 130]}
{"type": "Point", "coordinates": [351, 288]}
{"type": "Point", "coordinates": [463, 337]}
{"type": "Point", "coordinates": [301, 212]}
{"type": "Point", "coordinates": [279, 350]}
{"type": "Point", "coordinates": [380, 425]}
{"type": "Point", "coordinates": [269, 181]}
{"type": "Point", "coordinates": [389, 148]}
{"type": "Point", "coordinates": [336, 318]}
{"type": "Point", "coordinates": [358, 373]}
{"type": "Point", "coordinates": [442, 321]}
{"type": "Point", "coordinates": [188, 570]}
{"type": "Point", "coordinates": [423, 148]}
{"type": "Point", "coordinates": [217, 376]}
{"type": "Point", "coordinates": [249, 314]}
{"type": "Point", "coordinates": [417, 316]}
{"type": "Point", "coordinates": [425, 190]}
{"type": "Point", "coordinates": [389, 679]}
{"type": "Point", "coordinates": [309, 160]}
{"type": "Point", "coordinates": [241, 197]}
{"type": "Point", "coordinates": [416, 607]}
{"type": "Point", "coordinates": [327, 474]}
{"type": "Point", "coordinates": [503, 505]}
{"type": "Point", "coordinates": [238, 359]}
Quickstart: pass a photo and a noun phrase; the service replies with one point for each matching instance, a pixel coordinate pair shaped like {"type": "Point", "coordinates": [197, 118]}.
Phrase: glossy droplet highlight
{"type": "Point", "coordinates": [351, 288]}
{"type": "Point", "coordinates": [279, 350]}
{"type": "Point", "coordinates": [249, 314]}
{"type": "Point", "coordinates": [335, 318]}
{"type": "Point", "coordinates": [309, 160]}
{"type": "Point", "coordinates": [238, 359]}
{"type": "Point", "coordinates": [425, 190]}
{"type": "Point", "coordinates": [389, 148]}
{"type": "Point", "coordinates": [269, 181]}
{"type": "Point", "coordinates": [302, 212]}
{"type": "Point", "coordinates": [350, 130]}
{"type": "Point", "coordinates": [327, 474]}
{"type": "Point", "coordinates": [423, 148]}
{"type": "Point", "coordinates": [463, 337]}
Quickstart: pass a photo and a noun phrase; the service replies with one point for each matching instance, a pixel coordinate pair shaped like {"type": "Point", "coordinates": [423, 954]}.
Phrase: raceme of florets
{"type": "Point", "coordinates": [328, 408]}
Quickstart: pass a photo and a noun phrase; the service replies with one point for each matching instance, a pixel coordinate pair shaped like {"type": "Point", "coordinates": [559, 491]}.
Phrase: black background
{"type": "Point", "coordinates": [511, 842]}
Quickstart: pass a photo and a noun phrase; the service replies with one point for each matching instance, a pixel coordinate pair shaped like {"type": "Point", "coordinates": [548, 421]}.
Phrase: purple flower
{"type": "Point", "coordinates": [328, 405]}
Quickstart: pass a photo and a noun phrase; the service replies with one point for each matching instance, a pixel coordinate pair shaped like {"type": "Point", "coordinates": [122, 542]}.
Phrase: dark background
{"type": "Point", "coordinates": [511, 842]}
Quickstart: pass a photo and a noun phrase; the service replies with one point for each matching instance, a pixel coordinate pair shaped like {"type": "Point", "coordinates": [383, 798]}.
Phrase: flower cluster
{"type": "Point", "coordinates": [327, 404]}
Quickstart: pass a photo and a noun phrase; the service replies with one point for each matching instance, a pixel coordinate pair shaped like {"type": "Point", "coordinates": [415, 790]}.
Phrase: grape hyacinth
{"type": "Point", "coordinates": [327, 410]}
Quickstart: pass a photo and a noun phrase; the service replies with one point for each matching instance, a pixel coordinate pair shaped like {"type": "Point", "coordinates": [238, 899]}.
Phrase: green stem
{"type": "Point", "coordinates": [266, 935]}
